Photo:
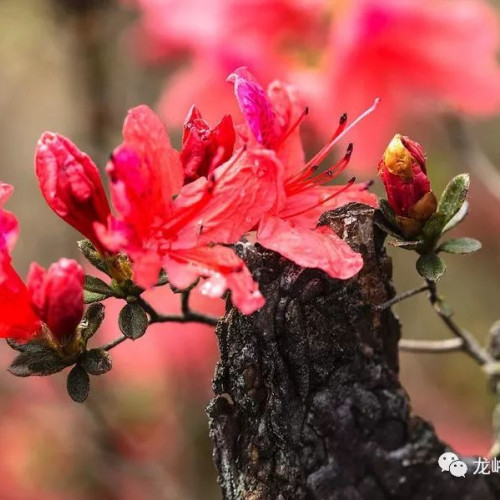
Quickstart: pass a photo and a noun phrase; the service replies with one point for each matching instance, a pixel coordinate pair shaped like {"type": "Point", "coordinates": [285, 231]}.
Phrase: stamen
{"type": "Point", "coordinates": [324, 200]}
{"type": "Point", "coordinates": [341, 127]}
{"type": "Point", "coordinates": [297, 122]}
{"type": "Point", "coordinates": [325, 151]}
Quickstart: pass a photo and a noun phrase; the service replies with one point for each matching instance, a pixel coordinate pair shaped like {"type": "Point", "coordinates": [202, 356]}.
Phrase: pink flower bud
{"type": "Point", "coordinates": [71, 185]}
{"type": "Point", "coordinates": [205, 148]}
{"type": "Point", "coordinates": [404, 174]}
{"type": "Point", "coordinates": [57, 297]}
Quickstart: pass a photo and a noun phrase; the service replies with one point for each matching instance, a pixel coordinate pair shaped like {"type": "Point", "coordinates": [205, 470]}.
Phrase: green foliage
{"type": "Point", "coordinates": [431, 267]}
{"type": "Point", "coordinates": [78, 384]}
{"type": "Point", "coordinates": [460, 246]}
{"type": "Point", "coordinates": [92, 255]}
{"type": "Point", "coordinates": [37, 358]}
{"type": "Point", "coordinates": [133, 321]}
{"type": "Point", "coordinates": [453, 197]}
{"type": "Point", "coordinates": [91, 321]}
{"type": "Point", "coordinates": [96, 361]}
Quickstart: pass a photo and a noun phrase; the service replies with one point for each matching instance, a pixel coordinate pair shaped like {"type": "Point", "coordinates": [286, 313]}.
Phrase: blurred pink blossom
{"type": "Point", "coordinates": [419, 56]}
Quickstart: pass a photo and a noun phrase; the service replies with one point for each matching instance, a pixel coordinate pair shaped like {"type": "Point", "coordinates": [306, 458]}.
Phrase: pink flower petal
{"type": "Point", "coordinates": [317, 248]}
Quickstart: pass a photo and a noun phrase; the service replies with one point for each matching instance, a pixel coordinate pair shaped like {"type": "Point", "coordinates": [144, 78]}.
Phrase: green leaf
{"type": "Point", "coordinates": [434, 227]}
{"type": "Point", "coordinates": [453, 196]}
{"type": "Point", "coordinates": [387, 212]}
{"type": "Point", "coordinates": [382, 223]}
{"type": "Point", "coordinates": [96, 361]}
{"type": "Point", "coordinates": [458, 217]}
{"type": "Point", "coordinates": [431, 267]}
{"type": "Point", "coordinates": [460, 246]}
{"type": "Point", "coordinates": [92, 255]}
{"type": "Point", "coordinates": [96, 285]}
{"type": "Point", "coordinates": [133, 321]}
{"type": "Point", "coordinates": [37, 359]}
{"type": "Point", "coordinates": [91, 321]}
{"type": "Point", "coordinates": [92, 297]}
{"type": "Point", "coordinates": [78, 384]}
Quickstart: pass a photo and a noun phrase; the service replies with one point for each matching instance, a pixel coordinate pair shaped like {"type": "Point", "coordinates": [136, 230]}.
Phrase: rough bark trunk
{"type": "Point", "coordinates": [308, 403]}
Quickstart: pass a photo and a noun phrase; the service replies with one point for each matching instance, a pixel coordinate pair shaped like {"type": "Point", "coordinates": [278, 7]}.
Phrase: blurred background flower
{"type": "Point", "coordinates": [76, 66]}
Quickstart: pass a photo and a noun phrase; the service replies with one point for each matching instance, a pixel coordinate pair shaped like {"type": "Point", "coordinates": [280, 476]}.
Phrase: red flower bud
{"type": "Point", "coordinates": [71, 185]}
{"type": "Point", "coordinates": [57, 296]}
{"type": "Point", "coordinates": [204, 148]}
{"type": "Point", "coordinates": [404, 174]}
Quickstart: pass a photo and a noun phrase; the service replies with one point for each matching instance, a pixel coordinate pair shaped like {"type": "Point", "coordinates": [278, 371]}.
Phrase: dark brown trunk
{"type": "Point", "coordinates": [308, 402]}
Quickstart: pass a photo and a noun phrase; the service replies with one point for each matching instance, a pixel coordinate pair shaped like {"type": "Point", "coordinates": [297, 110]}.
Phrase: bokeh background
{"type": "Point", "coordinates": [76, 66]}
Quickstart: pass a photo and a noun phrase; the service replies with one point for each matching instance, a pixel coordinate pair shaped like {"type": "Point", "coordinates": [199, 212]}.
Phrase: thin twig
{"type": "Point", "coordinates": [401, 297]}
{"type": "Point", "coordinates": [114, 343]}
{"type": "Point", "coordinates": [470, 344]}
{"type": "Point", "coordinates": [431, 346]}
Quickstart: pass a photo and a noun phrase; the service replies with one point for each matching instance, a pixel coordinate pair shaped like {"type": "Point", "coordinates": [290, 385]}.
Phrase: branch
{"type": "Point", "coordinates": [401, 297]}
{"type": "Point", "coordinates": [431, 346]}
{"type": "Point", "coordinates": [470, 345]}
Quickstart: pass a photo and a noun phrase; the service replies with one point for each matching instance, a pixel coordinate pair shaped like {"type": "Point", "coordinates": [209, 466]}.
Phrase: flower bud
{"type": "Point", "coordinates": [71, 185]}
{"type": "Point", "coordinates": [57, 297]}
{"type": "Point", "coordinates": [404, 174]}
{"type": "Point", "coordinates": [204, 148]}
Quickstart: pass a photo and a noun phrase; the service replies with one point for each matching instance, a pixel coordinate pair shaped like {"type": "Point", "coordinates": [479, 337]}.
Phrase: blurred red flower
{"type": "Point", "coordinates": [419, 56]}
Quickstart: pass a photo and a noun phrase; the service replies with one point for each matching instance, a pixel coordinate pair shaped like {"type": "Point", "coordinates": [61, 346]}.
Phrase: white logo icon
{"type": "Point", "coordinates": [449, 462]}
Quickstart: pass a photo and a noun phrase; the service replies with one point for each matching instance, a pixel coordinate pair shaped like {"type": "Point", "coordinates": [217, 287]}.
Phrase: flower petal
{"type": "Point", "coordinates": [222, 270]}
{"type": "Point", "coordinates": [317, 248]}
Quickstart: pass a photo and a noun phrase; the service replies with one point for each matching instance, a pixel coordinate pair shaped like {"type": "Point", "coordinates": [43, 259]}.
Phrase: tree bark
{"type": "Point", "coordinates": [308, 402]}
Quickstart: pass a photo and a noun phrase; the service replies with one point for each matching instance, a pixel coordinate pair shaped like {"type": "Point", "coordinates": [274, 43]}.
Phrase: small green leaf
{"type": "Point", "coordinates": [78, 384]}
{"type": "Point", "coordinates": [92, 255]}
{"type": "Point", "coordinates": [133, 321]}
{"type": "Point", "coordinates": [96, 285]}
{"type": "Point", "coordinates": [14, 344]}
{"type": "Point", "coordinates": [434, 227]}
{"type": "Point", "coordinates": [96, 361]}
{"type": "Point", "coordinates": [453, 196]}
{"type": "Point", "coordinates": [458, 217]}
{"type": "Point", "coordinates": [92, 297]}
{"type": "Point", "coordinates": [387, 211]}
{"type": "Point", "coordinates": [460, 246]}
{"type": "Point", "coordinates": [431, 267]}
{"type": "Point", "coordinates": [382, 223]}
{"type": "Point", "coordinates": [92, 321]}
{"type": "Point", "coordinates": [37, 359]}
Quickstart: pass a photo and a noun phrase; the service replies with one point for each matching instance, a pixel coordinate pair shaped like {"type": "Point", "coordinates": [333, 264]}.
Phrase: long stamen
{"type": "Point", "coordinates": [332, 173]}
{"type": "Point", "coordinates": [297, 122]}
{"type": "Point", "coordinates": [325, 151]}
{"type": "Point", "coordinates": [324, 200]}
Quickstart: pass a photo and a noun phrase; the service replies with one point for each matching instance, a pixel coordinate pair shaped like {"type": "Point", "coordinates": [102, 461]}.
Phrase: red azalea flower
{"type": "Point", "coordinates": [290, 228]}
{"type": "Point", "coordinates": [180, 234]}
{"type": "Point", "coordinates": [404, 174]}
{"type": "Point", "coordinates": [54, 298]}
{"type": "Point", "coordinates": [71, 185]}
{"type": "Point", "coordinates": [204, 148]}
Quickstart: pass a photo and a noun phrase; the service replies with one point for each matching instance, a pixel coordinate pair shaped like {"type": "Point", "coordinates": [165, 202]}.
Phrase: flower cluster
{"type": "Point", "coordinates": [174, 216]}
